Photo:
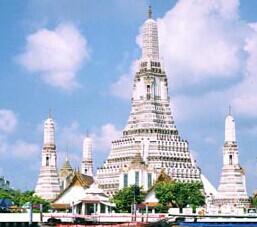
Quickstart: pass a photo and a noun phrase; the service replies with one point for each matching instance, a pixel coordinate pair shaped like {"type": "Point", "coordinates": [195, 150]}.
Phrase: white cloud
{"type": "Point", "coordinates": [102, 139]}
{"type": "Point", "coordinates": [246, 104]}
{"type": "Point", "coordinates": [201, 40]}
{"type": "Point", "coordinates": [252, 131]}
{"type": "Point", "coordinates": [210, 140]}
{"type": "Point", "coordinates": [70, 136]}
{"type": "Point", "coordinates": [62, 79]}
{"type": "Point", "coordinates": [18, 148]}
{"type": "Point", "coordinates": [209, 105]}
{"type": "Point", "coordinates": [56, 54]}
{"type": "Point", "coordinates": [123, 87]}
{"type": "Point", "coordinates": [8, 121]}
{"type": "Point", "coordinates": [3, 144]}
{"type": "Point", "coordinates": [251, 49]}
{"type": "Point", "coordinates": [245, 95]}
{"type": "Point", "coordinates": [24, 150]}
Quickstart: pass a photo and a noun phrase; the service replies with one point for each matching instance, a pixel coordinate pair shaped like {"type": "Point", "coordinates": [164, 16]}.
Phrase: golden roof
{"type": "Point", "coordinates": [66, 165]}
{"type": "Point", "coordinates": [78, 179]}
{"type": "Point", "coordinates": [163, 177]}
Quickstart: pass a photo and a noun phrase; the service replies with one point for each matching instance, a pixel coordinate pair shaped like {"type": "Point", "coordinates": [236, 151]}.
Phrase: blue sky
{"type": "Point", "coordinates": [210, 54]}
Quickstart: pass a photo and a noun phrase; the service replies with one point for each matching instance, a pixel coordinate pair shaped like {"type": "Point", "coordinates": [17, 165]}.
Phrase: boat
{"type": "Point", "coordinates": [213, 220]}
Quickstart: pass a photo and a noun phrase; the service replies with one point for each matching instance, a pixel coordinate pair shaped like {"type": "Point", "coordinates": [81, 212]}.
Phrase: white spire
{"type": "Point", "coordinates": [87, 163]}
{"type": "Point", "coordinates": [150, 50]}
{"type": "Point", "coordinates": [230, 129]}
{"type": "Point", "coordinates": [49, 131]}
{"type": "Point", "coordinates": [87, 148]}
{"type": "Point", "coordinates": [48, 185]}
{"type": "Point", "coordinates": [231, 190]}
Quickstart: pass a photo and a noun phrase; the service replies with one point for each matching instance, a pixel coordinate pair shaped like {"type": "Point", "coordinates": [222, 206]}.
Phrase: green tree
{"type": "Point", "coordinates": [253, 201]}
{"type": "Point", "coordinates": [28, 196]}
{"type": "Point", "coordinates": [179, 194]}
{"type": "Point", "coordinates": [4, 194]}
{"type": "Point", "coordinates": [125, 197]}
{"type": "Point", "coordinates": [20, 199]}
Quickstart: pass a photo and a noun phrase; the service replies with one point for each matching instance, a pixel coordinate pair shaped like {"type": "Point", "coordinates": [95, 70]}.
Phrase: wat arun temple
{"type": "Point", "coordinates": [150, 130]}
{"type": "Point", "coordinates": [150, 144]}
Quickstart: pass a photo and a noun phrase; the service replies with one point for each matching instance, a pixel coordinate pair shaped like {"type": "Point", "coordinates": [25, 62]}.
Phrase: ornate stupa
{"type": "Point", "coordinates": [48, 186]}
{"type": "Point", "coordinates": [150, 129]}
{"type": "Point", "coordinates": [65, 173]}
{"type": "Point", "coordinates": [87, 162]}
{"type": "Point", "coordinates": [232, 188]}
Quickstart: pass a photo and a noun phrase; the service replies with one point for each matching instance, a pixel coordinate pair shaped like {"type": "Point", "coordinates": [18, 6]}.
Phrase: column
{"type": "Point", "coordinates": [98, 208]}
{"type": "Point", "coordinates": [83, 208]}
{"type": "Point", "coordinates": [73, 208]}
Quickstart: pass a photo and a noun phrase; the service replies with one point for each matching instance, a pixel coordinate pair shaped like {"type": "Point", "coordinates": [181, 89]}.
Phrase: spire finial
{"type": "Point", "coordinates": [87, 134]}
{"type": "Point", "coordinates": [229, 110]}
{"type": "Point", "coordinates": [67, 151]}
{"type": "Point", "coordinates": [150, 13]}
{"type": "Point", "coordinates": [49, 113]}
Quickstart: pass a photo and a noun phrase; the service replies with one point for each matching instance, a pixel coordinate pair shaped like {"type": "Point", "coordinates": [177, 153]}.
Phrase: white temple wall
{"type": "Point", "coordinates": [226, 159]}
{"type": "Point", "coordinates": [44, 159]}
{"type": "Point", "coordinates": [140, 89]}
{"type": "Point", "coordinates": [143, 178]}
{"type": "Point", "coordinates": [136, 91]}
{"type": "Point", "coordinates": [73, 194]}
{"type": "Point", "coordinates": [236, 159]}
{"type": "Point", "coordinates": [145, 148]}
{"type": "Point", "coordinates": [53, 160]}
{"type": "Point", "coordinates": [163, 92]}
{"type": "Point", "coordinates": [156, 87]}
{"type": "Point", "coordinates": [150, 197]}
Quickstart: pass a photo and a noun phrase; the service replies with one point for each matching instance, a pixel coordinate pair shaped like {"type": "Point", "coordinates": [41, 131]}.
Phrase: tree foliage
{"type": "Point", "coordinates": [179, 194]}
{"type": "Point", "coordinates": [253, 201]}
{"type": "Point", "coordinates": [125, 197]}
{"type": "Point", "coordinates": [20, 199]}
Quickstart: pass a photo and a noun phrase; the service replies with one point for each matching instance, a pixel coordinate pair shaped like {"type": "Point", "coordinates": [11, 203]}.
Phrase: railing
{"type": "Point", "coordinates": [107, 218]}
{"type": "Point", "coordinates": [132, 224]}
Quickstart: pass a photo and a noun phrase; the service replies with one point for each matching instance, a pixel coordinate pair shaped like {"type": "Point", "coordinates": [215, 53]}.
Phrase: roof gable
{"type": "Point", "coordinates": [163, 177]}
{"type": "Point", "coordinates": [78, 179]}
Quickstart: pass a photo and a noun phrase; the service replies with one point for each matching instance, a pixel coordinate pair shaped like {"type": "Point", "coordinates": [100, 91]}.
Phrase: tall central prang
{"type": "Point", "coordinates": [150, 130]}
